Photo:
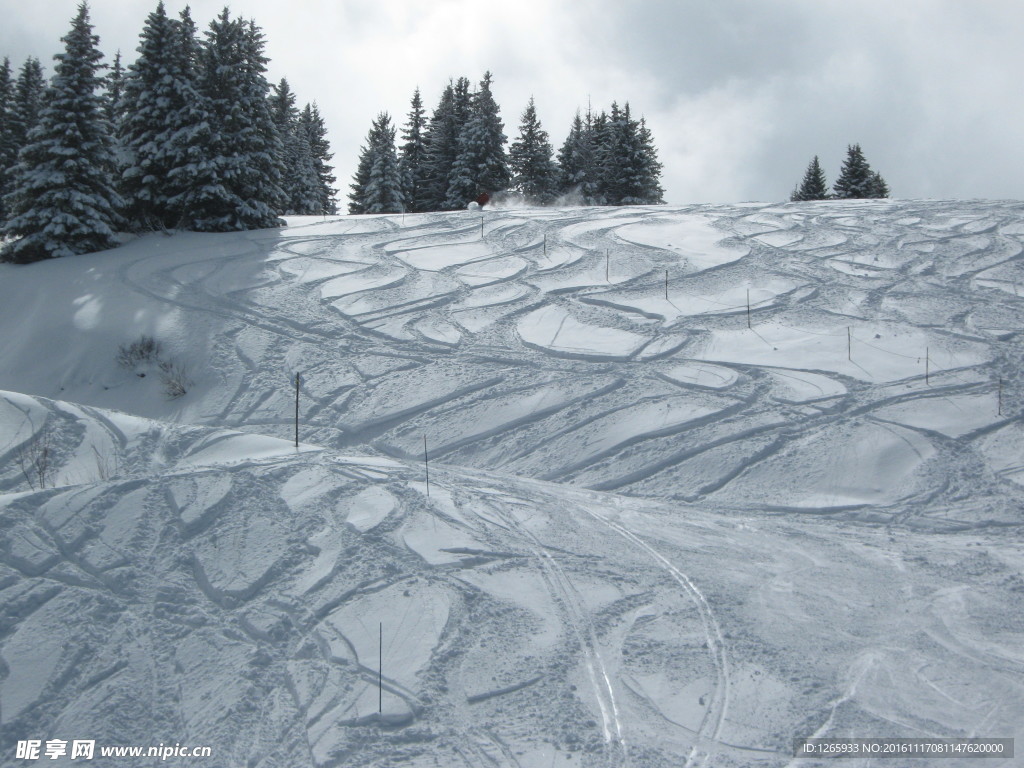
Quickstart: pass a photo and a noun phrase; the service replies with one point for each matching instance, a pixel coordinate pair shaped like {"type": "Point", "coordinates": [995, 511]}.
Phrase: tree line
{"type": "Point", "coordinates": [446, 161]}
{"type": "Point", "coordinates": [189, 136]}
{"type": "Point", "coordinates": [856, 180]}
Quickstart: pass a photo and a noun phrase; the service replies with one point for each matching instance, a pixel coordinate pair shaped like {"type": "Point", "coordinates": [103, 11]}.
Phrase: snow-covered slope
{"type": "Point", "coordinates": [868, 378]}
{"type": "Point", "coordinates": [808, 525]}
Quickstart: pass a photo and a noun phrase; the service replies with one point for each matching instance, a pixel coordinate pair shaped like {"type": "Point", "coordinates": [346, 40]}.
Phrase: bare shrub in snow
{"type": "Point", "coordinates": [107, 466]}
{"type": "Point", "coordinates": [36, 461]}
{"type": "Point", "coordinates": [143, 351]}
{"type": "Point", "coordinates": [146, 352]}
{"type": "Point", "coordinates": [175, 378]}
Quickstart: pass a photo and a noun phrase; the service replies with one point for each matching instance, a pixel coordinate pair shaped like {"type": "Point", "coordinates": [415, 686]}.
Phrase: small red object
{"type": "Point", "coordinates": [483, 199]}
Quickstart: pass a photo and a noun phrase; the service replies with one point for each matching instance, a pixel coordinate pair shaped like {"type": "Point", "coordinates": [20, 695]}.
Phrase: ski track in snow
{"type": "Point", "coordinates": [589, 299]}
{"type": "Point", "coordinates": [849, 440]}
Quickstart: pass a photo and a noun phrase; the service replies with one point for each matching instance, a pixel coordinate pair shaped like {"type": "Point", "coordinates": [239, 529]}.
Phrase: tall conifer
{"type": "Point", "coordinates": [320, 150]}
{"type": "Point", "coordinates": [377, 186]}
{"type": "Point", "coordinates": [413, 157]}
{"type": "Point", "coordinates": [576, 161]}
{"type": "Point", "coordinates": [29, 91]}
{"type": "Point", "coordinates": [481, 164]}
{"type": "Point", "coordinates": [813, 186]}
{"type": "Point", "coordinates": [299, 180]}
{"type": "Point", "coordinates": [114, 83]}
{"type": "Point", "coordinates": [535, 174]}
{"type": "Point", "coordinates": [856, 178]}
{"type": "Point", "coordinates": [159, 104]}
{"type": "Point", "coordinates": [8, 151]}
{"type": "Point", "coordinates": [238, 185]}
{"type": "Point", "coordinates": [63, 200]}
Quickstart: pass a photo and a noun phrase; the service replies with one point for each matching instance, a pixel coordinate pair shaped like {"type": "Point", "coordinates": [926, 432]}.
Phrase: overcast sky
{"type": "Point", "coordinates": [739, 94]}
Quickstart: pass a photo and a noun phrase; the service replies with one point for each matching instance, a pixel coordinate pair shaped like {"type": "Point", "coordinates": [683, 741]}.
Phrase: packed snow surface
{"type": "Point", "coordinates": [642, 486]}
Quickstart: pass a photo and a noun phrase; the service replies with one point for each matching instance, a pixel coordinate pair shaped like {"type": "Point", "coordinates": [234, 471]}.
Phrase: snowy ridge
{"type": "Point", "coordinates": [752, 534]}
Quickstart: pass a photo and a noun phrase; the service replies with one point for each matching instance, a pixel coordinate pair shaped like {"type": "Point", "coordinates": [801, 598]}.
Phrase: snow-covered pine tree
{"type": "Point", "coordinates": [632, 163]}
{"type": "Point", "coordinates": [649, 167]}
{"type": "Point", "coordinates": [282, 106]}
{"type": "Point", "coordinates": [29, 94]}
{"type": "Point", "coordinates": [304, 193]}
{"type": "Point", "coordinates": [63, 200]}
{"type": "Point", "coordinates": [442, 142]}
{"type": "Point", "coordinates": [238, 187]}
{"type": "Point", "coordinates": [377, 187]}
{"type": "Point", "coordinates": [601, 141]}
{"type": "Point", "coordinates": [299, 181]}
{"type": "Point", "coordinates": [879, 189]}
{"type": "Point", "coordinates": [320, 150]}
{"type": "Point", "coordinates": [535, 174]}
{"type": "Point", "coordinates": [481, 164]}
{"type": "Point", "coordinates": [189, 129]}
{"type": "Point", "coordinates": [114, 85]}
{"type": "Point", "coordinates": [576, 161]}
{"type": "Point", "coordinates": [611, 154]}
{"type": "Point", "coordinates": [413, 157]}
{"type": "Point", "coordinates": [261, 189]}
{"type": "Point", "coordinates": [813, 186]}
{"type": "Point", "coordinates": [856, 177]}
{"type": "Point", "coordinates": [361, 178]}
{"type": "Point", "coordinates": [158, 101]}
{"type": "Point", "coordinates": [7, 149]}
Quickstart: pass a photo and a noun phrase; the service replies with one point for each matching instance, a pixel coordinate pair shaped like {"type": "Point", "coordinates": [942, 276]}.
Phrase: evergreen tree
{"type": "Point", "coordinates": [63, 201]}
{"type": "Point", "coordinates": [481, 164]}
{"type": "Point", "coordinates": [114, 86]}
{"type": "Point", "coordinates": [535, 174]}
{"type": "Point", "coordinates": [856, 179]}
{"type": "Point", "coordinates": [299, 182]}
{"type": "Point", "coordinates": [601, 140]}
{"type": "Point", "coordinates": [320, 151]}
{"type": "Point", "coordinates": [648, 169]}
{"type": "Point", "coordinates": [610, 136]}
{"type": "Point", "coordinates": [630, 163]}
{"type": "Point", "coordinates": [29, 92]}
{"type": "Point", "coordinates": [238, 187]}
{"type": "Point", "coordinates": [576, 162]}
{"type": "Point", "coordinates": [189, 128]}
{"type": "Point", "coordinates": [158, 102]}
{"type": "Point", "coordinates": [814, 186]}
{"type": "Point", "coordinates": [413, 157]}
{"type": "Point", "coordinates": [879, 189]}
{"type": "Point", "coordinates": [8, 152]}
{"type": "Point", "coordinates": [377, 187]}
{"type": "Point", "coordinates": [282, 106]}
{"type": "Point", "coordinates": [304, 192]}
{"type": "Point", "coordinates": [442, 142]}
{"type": "Point", "coordinates": [361, 178]}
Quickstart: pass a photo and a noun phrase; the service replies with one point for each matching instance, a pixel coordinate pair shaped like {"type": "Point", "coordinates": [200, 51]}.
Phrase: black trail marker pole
{"type": "Point", "coordinates": [481, 226]}
{"type": "Point", "coordinates": [545, 245]}
{"type": "Point", "coordinates": [380, 672]}
{"type": "Point", "coordinates": [426, 464]}
{"type": "Point", "coordinates": [298, 379]}
{"type": "Point", "coordinates": [666, 285]}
